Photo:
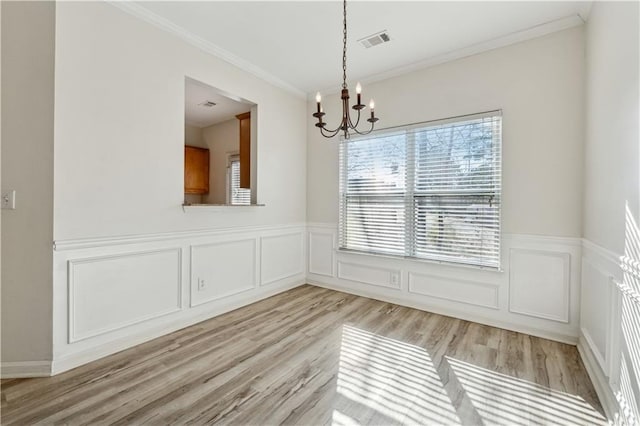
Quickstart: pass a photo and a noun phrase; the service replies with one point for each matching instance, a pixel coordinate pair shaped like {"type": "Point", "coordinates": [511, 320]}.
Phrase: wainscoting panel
{"type": "Point", "coordinates": [111, 292]}
{"type": "Point", "coordinates": [281, 256]}
{"type": "Point", "coordinates": [596, 310]}
{"type": "Point", "coordinates": [369, 274]}
{"type": "Point", "coordinates": [541, 272]}
{"type": "Point", "coordinates": [539, 284]}
{"type": "Point", "coordinates": [470, 292]}
{"type": "Point", "coordinates": [601, 342]}
{"type": "Point", "coordinates": [219, 270]}
{"type": "Point", "coordinates": [115, 292]}
{"type": "Point", "coordinates": [321, 248]}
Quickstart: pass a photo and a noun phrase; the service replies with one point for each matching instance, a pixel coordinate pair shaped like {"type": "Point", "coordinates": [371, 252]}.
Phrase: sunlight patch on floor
{"type": "Point", "coordinates": [505, 400]}
{"type": "Point", "coordinates": [385, 381]}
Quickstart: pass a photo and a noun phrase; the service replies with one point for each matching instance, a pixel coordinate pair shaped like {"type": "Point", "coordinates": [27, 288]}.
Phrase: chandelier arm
{"type": "Point", "coordinates": [353, 126]}
{"type": "Point", "coordinates": [329, 134]}
{"type": "Point", "coordinates": [365, 132]}
{"type": "Point", "coordinates": [346, 123]}
{"type": "Point", "coordinates": [336, 130]}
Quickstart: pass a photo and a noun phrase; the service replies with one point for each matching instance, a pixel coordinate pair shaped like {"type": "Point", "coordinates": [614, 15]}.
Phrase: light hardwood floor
{"type": "Point", "coordinates": [315, 356]}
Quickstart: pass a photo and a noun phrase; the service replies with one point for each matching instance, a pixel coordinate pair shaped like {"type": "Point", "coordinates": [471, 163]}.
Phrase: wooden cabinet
{"type": "Point", "coordinates": [196, 170]}
{"type": "Point", "coordinates": [245, 149]}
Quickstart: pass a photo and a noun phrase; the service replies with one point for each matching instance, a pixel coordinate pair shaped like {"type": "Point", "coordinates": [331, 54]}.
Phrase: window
{"type": "Point", "coordinates": [237, 195]}
{"type": "Point", "coordinates": [427, 191]}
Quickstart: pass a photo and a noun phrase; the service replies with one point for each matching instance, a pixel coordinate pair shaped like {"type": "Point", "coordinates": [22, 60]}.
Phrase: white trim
{"type": "Point", "coordinates": [158, 21]}
{"type": "Point", "coordinates": [83, 243]}
{"type": "Point", "coordinates": [79, 358]}
{"type": "Point", "coordinates": [543, 239]}
{"type": "Point", "coordinates": [310, 237]}
{"type": "Point", "coordinates": [566, 281]}
{"type": "Point", "coordinates": [494, 287]}
{"type": "Point", "coordinates": [600, 383]}
{"type": "Point", "coordinates": [498, 42]}
{"type": "Point", "coordinates": [71, 332]}
{"type": "Point", "coordinates": [254, 284]}
{"type": "Point", "coordinates": [213, 208]}
{"type": "Point", "coordinates": [593, 349]}
{"type": "Point", "coordinates": [23, 369]}
{"type": "Point", "coordinates": [392, 272]}
{"type": "Point", "coordinates": [325, 225]}
{"type": "Point", "coordinates": [545, 334]}
{"type": "Point", "coordinates": [607, 254]}
{"type": "Point", "coordinates": [301, 271]}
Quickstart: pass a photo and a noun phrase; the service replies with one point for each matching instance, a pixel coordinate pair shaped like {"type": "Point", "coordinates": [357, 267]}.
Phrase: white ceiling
{"type": "Point", "coordinates": [226, 108]}
{"type": "Point", "coordinates": [299, 43]}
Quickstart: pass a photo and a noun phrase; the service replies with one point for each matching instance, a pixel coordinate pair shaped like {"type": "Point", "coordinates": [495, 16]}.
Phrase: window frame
{"type": "Point", "coordinates": [412, 196]}
{"type": "Point", "coordinates": [233, 157]}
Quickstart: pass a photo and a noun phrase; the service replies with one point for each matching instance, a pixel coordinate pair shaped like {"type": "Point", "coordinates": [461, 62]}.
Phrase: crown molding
{"type": "Point", "coordinates": [495, 43]}
{"type": "Point", "coordinates": [158, 21]}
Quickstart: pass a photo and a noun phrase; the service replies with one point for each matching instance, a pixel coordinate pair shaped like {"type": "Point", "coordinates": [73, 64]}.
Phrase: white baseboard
{"type": "Point", "coordinates": [598, 378]}
{"type": "Point", "coordinates": [545, 334]}
{"type": "Point", "coordinates": [83, 357]}
{"type": "Point", "coordinates": [15, 370]}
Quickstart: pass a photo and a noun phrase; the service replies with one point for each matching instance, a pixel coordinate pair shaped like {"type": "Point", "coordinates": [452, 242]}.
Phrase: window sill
{"type": "Point", "coordinates": [206, 208]}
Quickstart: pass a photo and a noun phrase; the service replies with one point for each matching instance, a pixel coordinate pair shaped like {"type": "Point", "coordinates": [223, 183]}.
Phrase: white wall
{"type": "Point", "coordinates": [129, 264]}
{"type": "Point", "coordinates": [130, 179]}
{"type": "Point", "coordinates": [193, 136]}
{"type": "Point", "coordinates": [612, 202]}
{"type": "Point", "coordinates": [27, 166]}
{"type": "Point", "coordinates": [612, 152]}
{"type": "Point", "coordinates": [539, 86]}
{"type": "Point", "coordinates": [221, 139]}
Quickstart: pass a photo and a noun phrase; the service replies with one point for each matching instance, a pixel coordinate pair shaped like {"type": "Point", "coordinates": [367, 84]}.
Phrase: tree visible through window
{"type": "Point", "coordinates": [430, 191]}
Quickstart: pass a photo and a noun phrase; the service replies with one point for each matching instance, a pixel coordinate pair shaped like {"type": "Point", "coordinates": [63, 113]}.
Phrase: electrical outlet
{"type": "Point", "coordinates": [201, 284]}
{"type": "Point", "coordinates": [8, 199]}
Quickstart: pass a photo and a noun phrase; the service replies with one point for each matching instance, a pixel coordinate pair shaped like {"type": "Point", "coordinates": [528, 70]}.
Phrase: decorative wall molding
{"type": "Point", "coordinates": [219, 270]}
{"type": "Point", "coordinates": [158, 21]}
{"type": "Point", "coordinates": [319, 264]}
{"type": "Point", "coordinates": [75, 264]}
{"type": "Point", "coordinates": [600, 345]}
{"type": "Point", "coordinates": [465, 292]}
{"type": "Point", "coordinates": [85, 243]}
{"type": "Point", "coordinates": [456, 290]}
{"type": "Point", "coordinates": [593, 348]}
{"type": "Point", "coordinates": [81, 356]}
{"type": "Point", "coordinates": [231, 260]}
{"type": "Point", "coordinates": [24, 369]}
{"type": "Point", "coordinates": [456, 312]}
{"type": "Point", "coordinates": [592, 249]}
{"type": "Point", "coordinates": [599, 380]}
{"type": "Point", "coordinates": [275, 255]}
{"type": "Point", "coordinates": [367, 274]}
{"type": "Point", "coordinates": [546, 282]}
{"type": "Point", "coordinates": [498, 42]}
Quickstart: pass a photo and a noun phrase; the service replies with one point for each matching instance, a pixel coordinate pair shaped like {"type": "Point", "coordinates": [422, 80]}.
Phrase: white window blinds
{"type": "Point", "coordinates": [237, 195]}
{"type": "Point", "coordinates": [428, 191]}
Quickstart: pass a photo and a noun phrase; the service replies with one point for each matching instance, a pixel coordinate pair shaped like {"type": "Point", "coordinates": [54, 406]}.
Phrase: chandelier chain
{"type": "Point", "coordinates": [346, 124]}
{"type": "Point", "coordinates": [344, 46]}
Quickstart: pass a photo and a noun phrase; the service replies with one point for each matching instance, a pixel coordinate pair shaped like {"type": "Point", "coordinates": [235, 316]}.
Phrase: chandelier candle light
{"type": "Point", "coordinates": [346, 123]}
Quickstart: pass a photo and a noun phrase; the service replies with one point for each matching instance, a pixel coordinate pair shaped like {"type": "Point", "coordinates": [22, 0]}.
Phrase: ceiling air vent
{"type": "Point", "coordinates": [207, 104]}
{"type": "Point", "coordinates": [375, 39]}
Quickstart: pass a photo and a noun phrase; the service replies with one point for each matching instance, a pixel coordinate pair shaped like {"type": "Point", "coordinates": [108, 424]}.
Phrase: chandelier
{"type": "Point", "coordinates": [346, 124]}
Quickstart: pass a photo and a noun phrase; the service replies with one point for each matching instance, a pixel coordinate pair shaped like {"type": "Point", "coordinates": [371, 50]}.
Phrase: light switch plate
{"type": "Point", "coordinates": [8, 199]}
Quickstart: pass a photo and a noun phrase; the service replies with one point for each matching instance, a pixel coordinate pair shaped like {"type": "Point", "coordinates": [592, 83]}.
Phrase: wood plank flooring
{"type": "Point", "coordinates": [312, 356]}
